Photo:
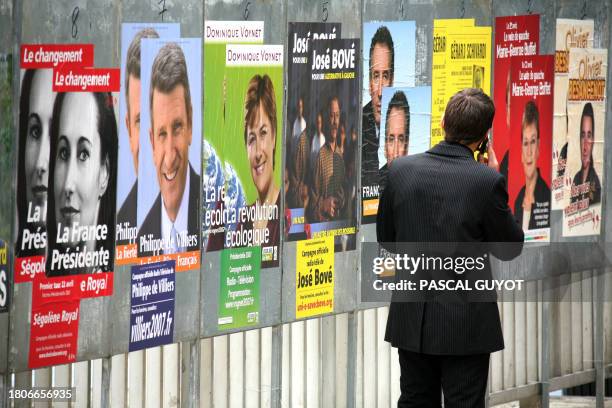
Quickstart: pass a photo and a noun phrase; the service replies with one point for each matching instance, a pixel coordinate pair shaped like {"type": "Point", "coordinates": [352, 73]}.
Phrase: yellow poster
{"type": "Point", "coordinates": [438, 71]}
{"type": "Point", "coordinates": [314, 277]}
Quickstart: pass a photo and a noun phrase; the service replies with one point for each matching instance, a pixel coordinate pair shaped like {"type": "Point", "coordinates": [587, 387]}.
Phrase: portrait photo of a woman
{"type": "Point", "coordinates": [260, 130]}
{"type": "Point", "coordinates": [82, 181]}
{"type": "Point", "coordinates": [35, 111]}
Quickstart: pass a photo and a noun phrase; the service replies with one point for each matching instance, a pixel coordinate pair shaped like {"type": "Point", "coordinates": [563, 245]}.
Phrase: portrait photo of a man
{"type": "Point", "coordinates": [381, 71]}
{"type": "Point", "coordinates": [477, 76]}
{"type": "Point", "coordinates": [128, 210]}
{"type": "Point", "coordinates": [171, 225]}
{"type": "Point", "coordinates": [389, 55]}
{"type": "Point", "coordinates": [397, 132]}
{"type": "Point", "coordinates": [327, 197]}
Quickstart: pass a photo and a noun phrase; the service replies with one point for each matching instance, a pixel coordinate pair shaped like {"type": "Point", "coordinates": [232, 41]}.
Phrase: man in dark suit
{"type": "Point", "coordinates": [381, 69]}
{"type": "Point", "coordinates": [444, 195]}
{"type": "Point", "coordinates": [126, 216]}
{"type": "Point", "coordinates": [172, 224]}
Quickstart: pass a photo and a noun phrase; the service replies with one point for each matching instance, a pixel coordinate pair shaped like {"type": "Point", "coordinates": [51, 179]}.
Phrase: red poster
{"type": "Point", "coordinates": [531, 117]}
{"type": "Point", "coordinates": [514, 36]}
{"type": "Point", "coordinates": [56, 55]}
{"type": "Point", "coordinates": [54, 332]}
{"type": "Point", "coordinates": [70, 288]}
{"type": "Point", "coordinates": [28, 267]}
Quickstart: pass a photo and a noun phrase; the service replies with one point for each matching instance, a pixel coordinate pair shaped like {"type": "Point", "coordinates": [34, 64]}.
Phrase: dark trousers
{"type": "Point", "coordinates": [462, 379]}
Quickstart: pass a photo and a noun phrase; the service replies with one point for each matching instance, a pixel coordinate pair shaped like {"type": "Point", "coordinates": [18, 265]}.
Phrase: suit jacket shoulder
{"type": "Point", "coordinates": [193, 220]}
{"type": "Point", "coordinates": [128, 210]}
{"type": "Point", "coordinates": [152, 222]}
{"type": "Point", "coordinates": [151, 225]}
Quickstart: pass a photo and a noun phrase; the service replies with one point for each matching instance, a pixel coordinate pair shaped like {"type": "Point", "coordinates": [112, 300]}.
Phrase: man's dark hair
{"type": "Point", "coordinates": [383, 36]}
{"type": "Point", "coordinates": [468, 116]}
{"type": "Point", "coordinates": [329, 104]}
{"type": "Point", "coordinates": [132, 66]}
{"type": "Point", "coordinates": [531, 116]}
{"type": "Point", "coordinates": [169, 71]}
{"type": "Point", "coordinates": [587, 111]}
{"type": "Point", "coordinates": [399, 101]}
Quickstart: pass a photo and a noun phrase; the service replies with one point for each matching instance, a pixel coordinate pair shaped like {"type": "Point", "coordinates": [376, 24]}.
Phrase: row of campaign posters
{"type": "Point", "coordinates": [549, 124]}
{"type": "Point", "coordinates": [154, 165]}
{"type": "Point", "coordinates": [66, 187]}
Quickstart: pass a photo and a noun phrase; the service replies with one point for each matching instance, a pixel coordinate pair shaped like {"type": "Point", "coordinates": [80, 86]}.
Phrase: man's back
{"type": "Point", "coordinates": [444, 195]}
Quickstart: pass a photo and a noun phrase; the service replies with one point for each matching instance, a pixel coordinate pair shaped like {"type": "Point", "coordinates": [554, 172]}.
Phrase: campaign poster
{"type": "Point", "coordinates": [129, 133]}
{"type": "Point", "coordinates": [324, 202]}
{"type": "Point", "coordinates": [569, 34]}
{"type": "Point", "coordinates": [515, 36]}
{"type": "Point", "coordinates": [404, 124]}
{"type": "Point", "coordinates": [82, 184]}
{"type": "Point", "coordinates": [531, 112]}
{"type": "Point", "coordinates": [314, 277]}
{"type": "Point", "coordinates": [239, 296]}
{"type": "Point", "coordinates": [438, 71]}
{"type": "Point", "coordinates": [390, 60]}
{"type": "Point", "coordinates": [82, 174]}
{"type": "Point", "coordinates": [66, 188]}
{"type": "Point", "coordinates": [152, 305]}
{"type": "Point", "coordinates": [4, 277]}
{"type": "Point", "coordinates": [305, 115]}
{"type": "Point", "coordinates": [246, 205]}
{"type": "Point", "coordinates": [36, 101]}
{"type": "Point", "coordinates": [586, 111]}
{"type": "Point", "coordinates": [217, 34]}
{"type": "Point", "coordinates": [54, 333]}
{"type": "Point", "coordinates": [169, 156]}
{"type": "Point", "coordinates": [468, 59]}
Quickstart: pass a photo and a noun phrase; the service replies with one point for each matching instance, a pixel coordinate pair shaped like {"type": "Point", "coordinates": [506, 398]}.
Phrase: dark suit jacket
{"type": "Point", "coordinates": [152, 222]}
{"type": "Point", "coordinates": [369, 153]}
{"type": "Point", "coordinates": [127, 212]}
{"type": "Point", "coordinates": [542, 196]}
{"type": "Point", "coordinates": [444, 195]}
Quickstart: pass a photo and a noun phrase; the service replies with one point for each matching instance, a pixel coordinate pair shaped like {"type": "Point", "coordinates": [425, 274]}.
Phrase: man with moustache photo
{"type": "Point", "coordinates": [127, 212]}
{"type": "Point", "coordinates": [175, 210]}
{"type": "Point", "coordinates": [382, 61]}
{"type": "Point", "coordinates": [327, 192]}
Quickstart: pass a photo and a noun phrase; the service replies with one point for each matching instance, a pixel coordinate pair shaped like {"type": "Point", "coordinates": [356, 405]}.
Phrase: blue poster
{"type": "Point", "coordinates": [152, 305]}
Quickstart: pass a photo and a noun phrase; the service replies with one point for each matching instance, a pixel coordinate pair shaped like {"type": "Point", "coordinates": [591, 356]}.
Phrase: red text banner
{"type": "Point", "coordinates": [56, 55]}
{"type": "Point", "coordinates": [79, 79]}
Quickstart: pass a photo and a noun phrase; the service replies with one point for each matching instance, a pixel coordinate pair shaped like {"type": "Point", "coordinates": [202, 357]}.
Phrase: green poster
{"type": "Point", "coordinates": [217, 34]}
{"type": "Point", "coordinates": [239, 288]}
{"type": "Point", "coordinates": [242, 157]}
